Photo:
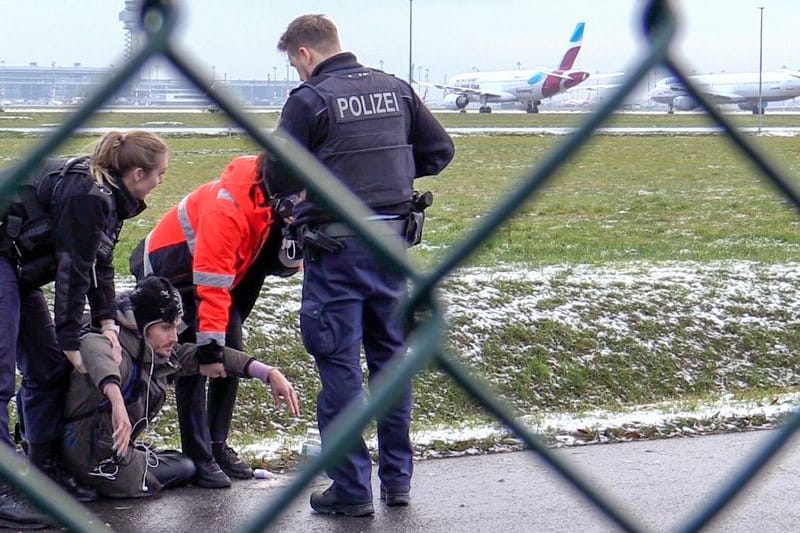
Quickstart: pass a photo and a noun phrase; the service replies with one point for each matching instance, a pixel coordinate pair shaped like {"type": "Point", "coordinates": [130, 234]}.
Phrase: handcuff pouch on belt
{"type": "Point", "coordinates": [10, 229]}
{"type": "Point", "coordinates": [29, 246]}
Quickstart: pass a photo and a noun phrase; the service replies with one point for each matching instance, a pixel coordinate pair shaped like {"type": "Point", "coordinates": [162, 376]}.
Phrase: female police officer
{"type": "Point", "coordinates": [64, 229]}
{"type": "Point", "coordinates": [375, 135]}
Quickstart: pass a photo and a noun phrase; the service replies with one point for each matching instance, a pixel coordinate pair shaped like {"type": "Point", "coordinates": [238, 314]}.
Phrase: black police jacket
{"type": "Point", "coordinates": [86, 227]}
{"type": "Point", "coordinates": [369, 128]}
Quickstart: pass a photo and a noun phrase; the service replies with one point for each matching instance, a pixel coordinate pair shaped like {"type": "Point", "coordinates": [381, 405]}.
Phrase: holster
{"type": "Point", "coordinates": [32, 270]}
{"type": "Point", "coordinates": [9, 230]}
{"type": "Point", "coordinates": [36, 272]}
{"type": "Point", "coordinates": [6, 245]}
{"type": "Point", "coordinates": [11, 226]}
{"type": "Point", "coordinates": [416, 218]}
{"type": "Point", "coordinates": [414, 224]}
{"type": "Point", "coordinates": [317, 241]}
{"type": "Point", "coordinates": [29, 245]}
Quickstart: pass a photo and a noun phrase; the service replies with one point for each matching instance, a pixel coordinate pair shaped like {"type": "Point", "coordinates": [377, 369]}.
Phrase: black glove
{"type": "Point", "coordinates": [284, 206]}
{"type": "Point", "coordinates": [210, 353]}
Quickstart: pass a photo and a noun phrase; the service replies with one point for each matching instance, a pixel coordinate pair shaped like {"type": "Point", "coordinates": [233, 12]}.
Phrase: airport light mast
{"type": "Point", "coordinates": [760, 64]}
{"type": "Point", "coordinates": [410, 62]}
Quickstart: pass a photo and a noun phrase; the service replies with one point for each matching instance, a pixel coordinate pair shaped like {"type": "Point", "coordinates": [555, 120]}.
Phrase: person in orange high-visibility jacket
{"type": "Point", "coordinates": [216, 247]}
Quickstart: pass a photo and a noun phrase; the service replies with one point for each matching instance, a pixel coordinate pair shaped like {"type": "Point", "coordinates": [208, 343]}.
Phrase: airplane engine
{"type": "Point", "coordinates": [455, 101]}
{"type": "Point", "coordinates": [745, 106]}
{"type": "Point", "coordinates": [684, 103]}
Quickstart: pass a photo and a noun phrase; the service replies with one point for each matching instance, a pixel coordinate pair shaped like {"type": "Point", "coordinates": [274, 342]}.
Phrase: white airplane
{"type": "Point", "coordinates": [526, 86]}
{"type": "Point", "coordinates": [741, 89]}
{"type": "Point", "coordinates": [579, 102]}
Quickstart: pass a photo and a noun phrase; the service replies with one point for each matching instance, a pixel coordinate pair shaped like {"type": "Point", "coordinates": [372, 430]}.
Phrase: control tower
{"type": "Point", "coordinates": [135, 37]}
{"type": "Point", "coordinates": [130, 21]}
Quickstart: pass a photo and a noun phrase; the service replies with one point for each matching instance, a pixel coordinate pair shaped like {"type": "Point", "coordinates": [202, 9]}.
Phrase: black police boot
{"type": "Point", "coordinates": [326, 502]}
{"type": "Point", "coordinates": [395, 497]}
{"type": "Point", "coordinates": [17, 513]}
{"type": "Point", "coordinates": [229, 461]}
{"type": "Point", "coordinates": [45, 458]}
{"type": "Point", "coordinates": [209, 475]}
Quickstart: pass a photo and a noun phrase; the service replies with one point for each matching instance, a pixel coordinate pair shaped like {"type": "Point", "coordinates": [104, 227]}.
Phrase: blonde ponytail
{"type": "Point", "coordinates": [116, 153]}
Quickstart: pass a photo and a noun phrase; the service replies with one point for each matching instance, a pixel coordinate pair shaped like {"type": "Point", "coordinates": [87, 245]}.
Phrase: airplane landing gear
{"type": "Point", "coordinates": [532, 108]}
{"type": "Point", "coordinates": [462, 110]}
{"type": "Point", "coordinates": [484, 108]}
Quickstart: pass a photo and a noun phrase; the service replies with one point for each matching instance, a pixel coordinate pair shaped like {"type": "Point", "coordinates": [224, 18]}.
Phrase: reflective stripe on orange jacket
{"type": "Point", "coordinates": [224, 224]}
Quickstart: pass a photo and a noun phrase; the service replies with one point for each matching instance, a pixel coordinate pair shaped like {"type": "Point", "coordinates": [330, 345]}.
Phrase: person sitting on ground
{"type": "Point", "coordinates": [108, 408]}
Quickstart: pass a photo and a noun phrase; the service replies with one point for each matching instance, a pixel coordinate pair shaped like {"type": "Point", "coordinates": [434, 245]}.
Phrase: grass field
{"type": "Point", "coordinates": [120, 118]}
{"type": "Point", "coordinates": [649, 268]}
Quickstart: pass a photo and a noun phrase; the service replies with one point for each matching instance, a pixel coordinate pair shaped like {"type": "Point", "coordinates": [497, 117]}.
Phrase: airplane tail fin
{"type": "Point", "coordinates": [574, 47]}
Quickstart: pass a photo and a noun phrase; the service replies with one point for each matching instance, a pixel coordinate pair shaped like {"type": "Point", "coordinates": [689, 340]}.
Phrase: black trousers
{"type": "Point", "coordinates": [173, 469]}
{"type": "Point", "coordinates": [28, 337]}
{"type": "Point", "coordinates": [206, 418]}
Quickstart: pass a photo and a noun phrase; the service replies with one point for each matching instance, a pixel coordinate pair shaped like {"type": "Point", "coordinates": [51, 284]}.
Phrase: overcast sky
{"type": "Point", "coordinates": [237, 37]}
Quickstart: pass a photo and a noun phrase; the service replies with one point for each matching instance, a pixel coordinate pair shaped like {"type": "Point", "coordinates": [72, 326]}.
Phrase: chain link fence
{"type": "Point", "coordinates": [158, 19]}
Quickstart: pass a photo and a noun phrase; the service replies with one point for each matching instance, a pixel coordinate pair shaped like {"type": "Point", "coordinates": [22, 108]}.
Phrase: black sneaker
{"type": "Point", "coordinates": [395, 497]}
{"type": "Point", "coordinates": [210, 476]}
{"type": "Point", "coordinates": [230, 463]}
{"type": "Point", "coordinates": [17, 513]}
{"type": "Point", "coordinates": [79, 491]}
{"type": "Point", "coordinates": [82, 493]}
{"type": "Point", "coordinates": [325, 502]}
{"type": "Point", "coordinates": [45, 458]}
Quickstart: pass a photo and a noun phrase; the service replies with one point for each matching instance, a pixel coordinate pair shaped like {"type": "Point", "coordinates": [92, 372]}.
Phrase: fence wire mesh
{"type": "Point", "coordinates": [158, 19]}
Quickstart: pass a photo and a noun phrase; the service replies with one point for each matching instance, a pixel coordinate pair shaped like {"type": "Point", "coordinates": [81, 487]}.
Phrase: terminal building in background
{"type": "Point", "coordinates": [155, 85]}
{"type": "Point", "coordinates": [56, 85]}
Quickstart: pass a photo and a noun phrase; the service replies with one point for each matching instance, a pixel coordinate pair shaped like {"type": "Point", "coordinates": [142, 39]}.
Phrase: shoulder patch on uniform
{"type": "Point", "coordinates": [365, 106]}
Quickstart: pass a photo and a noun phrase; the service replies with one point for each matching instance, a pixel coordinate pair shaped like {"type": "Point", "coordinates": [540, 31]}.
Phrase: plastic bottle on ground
{"type": "Point", "coordinates": [312, 445]}
{"type": "Point", "coordinates": [260, 473]}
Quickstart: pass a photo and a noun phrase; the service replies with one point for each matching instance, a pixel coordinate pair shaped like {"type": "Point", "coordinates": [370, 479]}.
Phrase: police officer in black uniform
{"type": "Point", "coordinates": [62, 226]}
{"type": "Point", "coordinates": [372, 131]}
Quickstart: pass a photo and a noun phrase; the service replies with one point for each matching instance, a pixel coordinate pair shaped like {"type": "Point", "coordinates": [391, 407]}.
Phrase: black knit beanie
{"type": "Point", "coordinates": [155, 300]}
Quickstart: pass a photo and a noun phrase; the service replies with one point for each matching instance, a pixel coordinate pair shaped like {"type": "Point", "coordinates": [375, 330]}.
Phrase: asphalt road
{"type": "Point", "coordinates": [660, 485]}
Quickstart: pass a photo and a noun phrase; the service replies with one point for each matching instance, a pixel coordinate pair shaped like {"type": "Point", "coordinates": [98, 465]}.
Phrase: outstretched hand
{"type": "Point", "coordinates": [282, 390]}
